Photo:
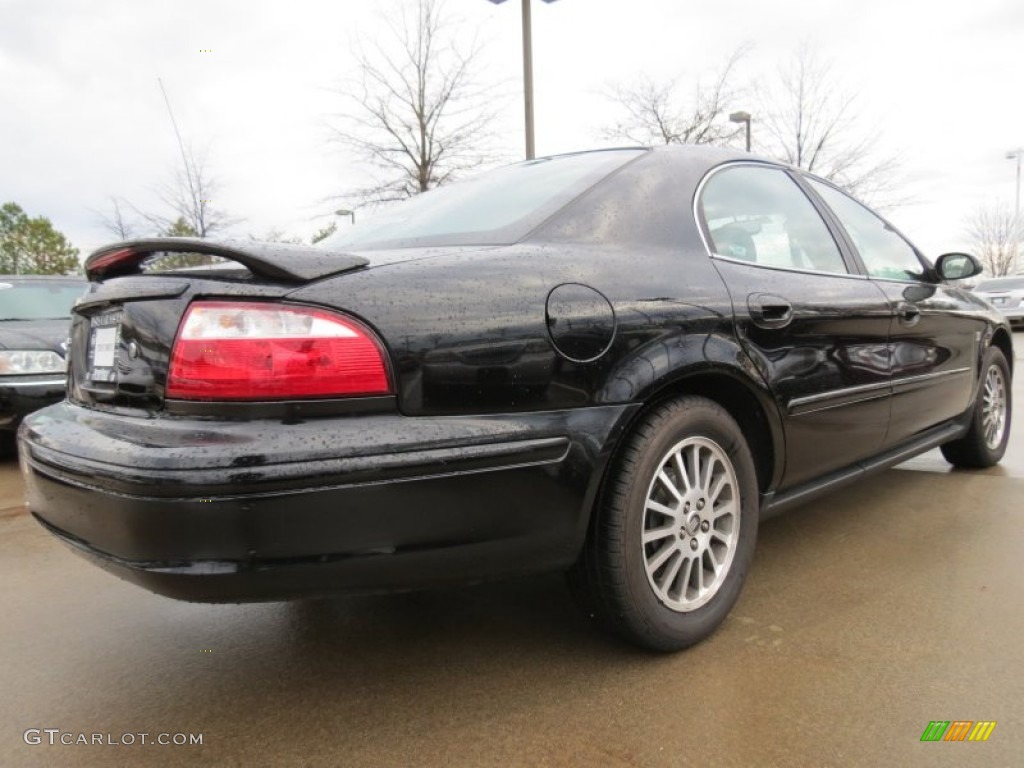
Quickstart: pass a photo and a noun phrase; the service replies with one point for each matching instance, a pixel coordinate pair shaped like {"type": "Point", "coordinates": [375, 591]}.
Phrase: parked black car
{"type": "Point", "coordinates": [613, 363]}
{"type": "Point", "coordinates": [35, 318]}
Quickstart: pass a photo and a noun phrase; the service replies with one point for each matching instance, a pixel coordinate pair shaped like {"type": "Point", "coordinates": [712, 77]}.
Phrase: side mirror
{"type": "Point", "coordinates": [957, 266]}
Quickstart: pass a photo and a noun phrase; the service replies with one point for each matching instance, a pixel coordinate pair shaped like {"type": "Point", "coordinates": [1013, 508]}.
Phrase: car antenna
{"type": "Point", "coordinates": [177, 134]}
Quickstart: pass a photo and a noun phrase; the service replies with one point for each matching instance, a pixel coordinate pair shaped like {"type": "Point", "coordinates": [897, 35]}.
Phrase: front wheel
{"type": "Point", "coordinates": [673, 535]}
{"type": "Point", "coordinates": [989, 432]}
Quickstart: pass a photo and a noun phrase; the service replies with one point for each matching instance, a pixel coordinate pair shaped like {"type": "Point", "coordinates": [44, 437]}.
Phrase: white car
{"type": "Point", "coordinates": [1005, 294]}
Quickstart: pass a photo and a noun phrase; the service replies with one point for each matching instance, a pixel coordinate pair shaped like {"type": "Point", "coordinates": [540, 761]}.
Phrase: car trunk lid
{"type": "Point", "coordinates": [123, 329]}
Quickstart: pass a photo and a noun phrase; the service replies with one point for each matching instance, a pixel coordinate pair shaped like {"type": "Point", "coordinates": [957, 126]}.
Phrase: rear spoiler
{"type": "Point", "coordinates": [272, 261]}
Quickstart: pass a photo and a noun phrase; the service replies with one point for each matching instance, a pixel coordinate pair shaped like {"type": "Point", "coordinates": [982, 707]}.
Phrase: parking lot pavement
{"type": "Point", "coordinates": [866, 616]}
{"type": "Point", "coordinates": [11, 490]}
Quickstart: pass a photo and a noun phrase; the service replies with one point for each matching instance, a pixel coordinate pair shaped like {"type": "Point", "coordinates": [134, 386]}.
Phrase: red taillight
{"type": "Point", "coordinates": [250, 351]}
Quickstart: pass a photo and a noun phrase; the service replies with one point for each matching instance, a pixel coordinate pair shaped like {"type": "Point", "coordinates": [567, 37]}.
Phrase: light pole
{"type": "Point", "coordinates": [1015, 154]}
{"type": "Point", "coordinates": [343, 212]}
{"type": "Point", "coordinates": [742, 117]}
{"type": "Point", "coordinates": [527, 74]}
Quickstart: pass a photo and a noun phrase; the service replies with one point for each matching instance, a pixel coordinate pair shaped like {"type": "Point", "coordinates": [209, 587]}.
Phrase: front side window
{"type": "Point", "coordinates": [761, 215]}
{"type": "Point", "coordinates": [884, 252]}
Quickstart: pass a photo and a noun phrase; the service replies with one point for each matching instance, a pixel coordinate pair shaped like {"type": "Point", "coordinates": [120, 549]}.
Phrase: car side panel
{"type": "Point", "coordinates": [477, 335]}
{"type": "Point", "coordinates": [476, 332]}
{"type": "Point", "coordinates": [827, 367]}
{"type": "Point", "coordinates": [935, 345]}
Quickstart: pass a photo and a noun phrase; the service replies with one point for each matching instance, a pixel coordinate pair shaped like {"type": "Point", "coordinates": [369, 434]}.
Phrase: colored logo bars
{"type": "Point", "coordinates": [958, 730]}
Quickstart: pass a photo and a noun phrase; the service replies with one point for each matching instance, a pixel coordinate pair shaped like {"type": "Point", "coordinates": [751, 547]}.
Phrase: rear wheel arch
{"type": "Point", "coordinates": [665, 572]}
{"type": "Point", "coordinates": [732, 388]}
{"type": "Point", "coordinates": [756, 418]}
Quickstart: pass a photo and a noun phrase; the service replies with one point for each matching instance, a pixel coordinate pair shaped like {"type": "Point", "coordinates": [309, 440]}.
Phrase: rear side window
{"type": "Point", "coordinates": [761, 215]}
{"type": "Point", "coordinates": [883, 250]}
{"type": "Point", "coordinates": [495, 208]}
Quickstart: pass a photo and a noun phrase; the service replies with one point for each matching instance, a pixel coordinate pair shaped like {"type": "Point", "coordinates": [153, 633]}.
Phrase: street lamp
{"type": "Point", "coordinates": [527, 73]}
{"type": "Point", "coordinates": [1015, 154]}
{"type": "Point", "coordinates": [742, 117]}
{"type": "Point", "coordinates": [343, 212]}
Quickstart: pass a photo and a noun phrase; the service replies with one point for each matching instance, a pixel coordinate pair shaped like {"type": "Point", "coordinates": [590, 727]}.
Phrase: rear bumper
{"type": "Point", "coordinates": [262, 510]}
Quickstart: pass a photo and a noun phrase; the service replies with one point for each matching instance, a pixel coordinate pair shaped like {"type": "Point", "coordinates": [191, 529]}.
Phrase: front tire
{"type": "Point", "coordinates": [989, 432]}
{"type": "Point", "coordinates": [673, 534]}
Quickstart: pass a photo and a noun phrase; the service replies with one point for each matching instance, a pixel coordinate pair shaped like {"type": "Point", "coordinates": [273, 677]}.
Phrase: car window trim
{"type": "Point", "coordinates": [854, 267]}
{"type": "Point", "coordinates": [928, 270]}
{"type": "Point", "coordinates": [819, 273]}
{"type": "Point", "coordinates": [846, 246]}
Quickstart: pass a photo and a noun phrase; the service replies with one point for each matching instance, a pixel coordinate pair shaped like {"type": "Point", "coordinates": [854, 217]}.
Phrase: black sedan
{"type": "Point", "coordinates": [35, 318]}
{"type": "Point", "coordinates": [612, 363]}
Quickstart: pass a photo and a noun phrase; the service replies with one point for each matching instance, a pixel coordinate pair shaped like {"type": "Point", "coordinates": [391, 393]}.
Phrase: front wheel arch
{"type": "Point", "coordinates": [1001, 339]}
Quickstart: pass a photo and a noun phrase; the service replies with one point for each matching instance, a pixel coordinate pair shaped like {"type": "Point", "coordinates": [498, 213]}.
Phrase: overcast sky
{"type": "Point", "coordinates": [82, 118]}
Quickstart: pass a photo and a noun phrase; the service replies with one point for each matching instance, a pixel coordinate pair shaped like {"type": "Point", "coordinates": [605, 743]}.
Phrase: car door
{"type": "Point", "coordinates": [817, 332]}
{"type": "Point", "coordinates": [936, 329]}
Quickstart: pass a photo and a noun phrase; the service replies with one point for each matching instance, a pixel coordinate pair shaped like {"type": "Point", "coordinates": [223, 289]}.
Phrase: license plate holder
{"type": "Point", "coordinates": [104, 335]}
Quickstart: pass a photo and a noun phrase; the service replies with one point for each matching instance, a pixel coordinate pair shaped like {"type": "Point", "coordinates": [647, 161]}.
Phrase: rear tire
{"type": "Point", "coordinates": [8, 445]}
{"type": "Point", "coordinates": [989, 432]}
{"type": "Point", "coordinates": [673, 534]}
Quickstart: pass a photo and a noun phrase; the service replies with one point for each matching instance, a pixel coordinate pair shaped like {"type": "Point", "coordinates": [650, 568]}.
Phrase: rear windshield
{"type": "Point", "coordinates": [37, 300]}
{"type": "Point", "coordinates": [1003, 284]}
{"type": "Point", "coordinates": [495, 208]}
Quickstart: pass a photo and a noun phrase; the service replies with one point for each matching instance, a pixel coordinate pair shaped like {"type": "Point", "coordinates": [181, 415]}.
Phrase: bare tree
{"type": "Point", "coordinates": [188, 206]}
{"type": "Point", "coordinates": [655, 112]}
{"type": "Point", "coordinates": [807, 119]}
{"type": "Point", "coordinates": [417, 115]}
{"type": "Point", "coordinates": [190, 197]}
{"type": "Point", "coordinates": [276, 235]}
{"type": "Point", "coordinates": [323, 233]}
{"type": "Point", "coordinates": [116, 223]}
{"type": "Point", "coordinates": [995, 234]}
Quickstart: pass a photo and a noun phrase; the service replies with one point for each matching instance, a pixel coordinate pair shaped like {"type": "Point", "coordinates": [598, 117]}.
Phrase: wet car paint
{"type": "Point", "coordinates": [476, 344]}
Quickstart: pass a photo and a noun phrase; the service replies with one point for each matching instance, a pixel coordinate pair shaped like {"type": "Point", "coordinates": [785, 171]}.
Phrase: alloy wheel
{"type": "Point", "coordinates": [691, 524]}
{"type": "Point", "coordinates": [993, 407]}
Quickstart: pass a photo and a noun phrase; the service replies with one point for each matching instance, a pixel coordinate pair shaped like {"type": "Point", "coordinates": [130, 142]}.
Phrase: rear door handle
{"type": "Point", "coordinates": [768, 311]}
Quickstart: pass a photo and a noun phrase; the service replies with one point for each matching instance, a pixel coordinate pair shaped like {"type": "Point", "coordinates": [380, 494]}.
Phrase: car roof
{"type": "Point", "coordinates": [714, 154]}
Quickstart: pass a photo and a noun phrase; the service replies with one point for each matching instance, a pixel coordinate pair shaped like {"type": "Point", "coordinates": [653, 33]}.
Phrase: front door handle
{"type": "Point", "coordinates": [768, 311]}
{"type": "Point", "coordinates": [908, 313]}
